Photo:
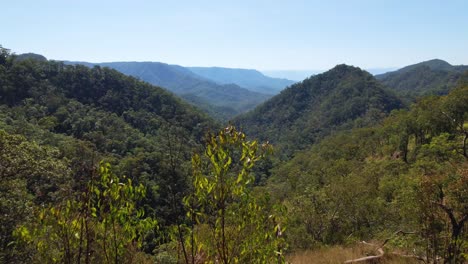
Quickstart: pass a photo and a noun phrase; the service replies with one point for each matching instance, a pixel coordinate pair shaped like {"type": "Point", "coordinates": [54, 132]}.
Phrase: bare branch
{"type": "Point", "coordinates": [380, 249]}
{"type": "Point", "coordinates": [381, 253]}
{"type": "Point", "coordinates": [410, 256]}
{"type": "Point", "coordinates": [449, 212]}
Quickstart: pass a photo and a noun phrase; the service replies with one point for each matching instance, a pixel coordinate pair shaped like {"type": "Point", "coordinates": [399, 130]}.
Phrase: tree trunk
{"type": "Point", "coordinates": [464, 145]}
{"type": "Point", "coordinates": [454, 246]}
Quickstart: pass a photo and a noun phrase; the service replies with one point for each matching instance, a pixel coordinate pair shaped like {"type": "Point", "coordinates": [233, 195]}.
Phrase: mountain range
{"type": "Point", "coordinates": [250, 79]}
{"type": "Point", "coordinates": [224, 93]}
{"type": "Point", "coordinates": [220, 92]}
{"type": "Point", "coordinates": [299, 75]}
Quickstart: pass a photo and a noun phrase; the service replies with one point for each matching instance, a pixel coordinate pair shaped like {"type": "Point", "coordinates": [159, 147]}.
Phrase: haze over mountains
{"type": "Point", "coordinates": [296, 75]}
{"type": "Point", "coordinates": [221, 92]}
{"type": "Point", "coordinates": [224, 93]}
{"type": "Point", "coordinates": [299, 75]}
{"type": "Point", "coordinates": [250, 79]}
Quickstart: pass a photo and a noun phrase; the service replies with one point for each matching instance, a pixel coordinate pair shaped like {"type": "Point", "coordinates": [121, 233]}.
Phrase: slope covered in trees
{"type": "Point", "coordinates": [341, 98]}
{"type": "Point", "coordinates": [98, 167]}
{"type": "Point", "coordinates": [223, 101]}
{"type": "Point", "coordinates": [250, 79]}
{"type": "Point", "coordinates": [435, 77]}
{"type": "Point", "coordinates": [71, 117]}
{"type": "Point", "coordinates": [403, 181]}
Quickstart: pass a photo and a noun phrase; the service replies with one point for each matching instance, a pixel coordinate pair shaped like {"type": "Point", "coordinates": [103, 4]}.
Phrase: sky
{"type": "Point", "coordinates": [253, 34]}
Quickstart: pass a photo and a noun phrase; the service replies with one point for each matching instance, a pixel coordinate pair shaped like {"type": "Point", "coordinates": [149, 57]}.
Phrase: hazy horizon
{"type": "Point", "coordinates": [262, 35]}
{"type": "Point", "coordinates": [299, 75]}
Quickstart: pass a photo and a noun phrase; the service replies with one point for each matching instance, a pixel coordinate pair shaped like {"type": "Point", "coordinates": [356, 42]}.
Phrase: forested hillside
{"type": "Point", "coordinates": [221, 101]}
{"type": "Point", "coordinates": [403, 181]}
{"type": "Point", "coordinates": [57, 122]}
{"type": "Point", "coordinates": [339, 99]}
{"type": "Point", "coordinates": [99, 167]}
{"type": "Point", "coordinates": [433, 77]}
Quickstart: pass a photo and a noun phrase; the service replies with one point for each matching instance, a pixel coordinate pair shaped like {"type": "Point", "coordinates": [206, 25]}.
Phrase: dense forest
{"type": "Point", "coordinates": [404, 179]}
{"type": "Point", "coordinates": [58, 122]}
{"type": "Point", "coordinates": [301, 115]}
{"type": "Point", "coordinates": [100, 167]}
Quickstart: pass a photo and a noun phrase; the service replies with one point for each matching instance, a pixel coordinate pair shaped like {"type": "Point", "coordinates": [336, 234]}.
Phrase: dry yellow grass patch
{"type": "Point", "coordinates": [339, 254]}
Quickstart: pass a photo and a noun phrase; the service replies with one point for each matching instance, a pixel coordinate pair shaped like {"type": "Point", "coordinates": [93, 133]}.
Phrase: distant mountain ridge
{"type": "Point", "coordinates": [296, 75]}
{"type": "Point", "coordinates": [436, 64]}
{"type": "Point", "coordinates": [222, 101]}
{"type": "Point", "coordinates": [340, 98]}
{"type": "Point", "coordinates": [250, 79]}
{"type": "Point", "coordinates": [424, 78]}
{"type": "Point", "coordinates": [299, 75]}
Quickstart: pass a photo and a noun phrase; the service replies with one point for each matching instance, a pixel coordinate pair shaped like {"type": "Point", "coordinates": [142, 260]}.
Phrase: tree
{"type": "Point", "coordinates": [456, 111]}
{"type": "Point", "coordinates": [443, 196]}
{"type": "Point", "coordinates": [102, 226]}
{"type": "Point", "coordinates": [232, 224]}
{"type": "Point", "coordinates": [30, 175]}
{"type": "Point", "coordinates": [4, 54]}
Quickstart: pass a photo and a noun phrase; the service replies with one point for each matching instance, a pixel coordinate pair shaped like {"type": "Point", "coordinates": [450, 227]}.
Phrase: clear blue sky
{"type": "Point", "coordinates": [266, 35]}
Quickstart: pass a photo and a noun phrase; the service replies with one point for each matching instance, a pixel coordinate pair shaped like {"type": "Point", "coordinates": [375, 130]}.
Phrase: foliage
{"type": "Point", "coordinates": [348, 170]}
{"type": "Point", "coordinates": [31, 175]}
{"type": "Point", "coordinates": [76, 116]}
{"type": "Point", "coordinates": [103, 225]}
{"type": "Point", "coordinates": [232, 225]}
{"type": "Point", "coordinates": [406, 174]}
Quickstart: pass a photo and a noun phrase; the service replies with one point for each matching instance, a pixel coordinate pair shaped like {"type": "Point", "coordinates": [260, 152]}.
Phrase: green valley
{"type": "Point", "coordinates": [101, 167]}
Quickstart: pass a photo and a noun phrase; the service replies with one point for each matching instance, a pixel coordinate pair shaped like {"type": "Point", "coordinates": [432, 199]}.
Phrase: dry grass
{"type": "Point", "coordinates": [338, 254]}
